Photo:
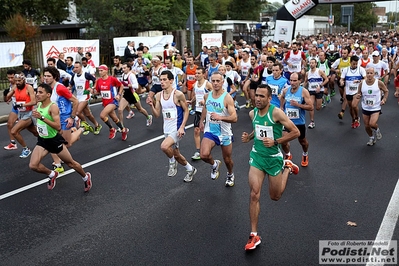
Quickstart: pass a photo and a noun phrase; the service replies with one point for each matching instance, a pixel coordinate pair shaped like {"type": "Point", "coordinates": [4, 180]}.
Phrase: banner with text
{"type": "Point", "coordinates": [212, 39]}
{"type": "Point", "coordinates": [70, 48]}
{"type": "Point", "coordinates": [155, 43]}
{"type": "Point", "coordinates": [297, 8]}
{"type": "Point", "coordinates": [11, 54]}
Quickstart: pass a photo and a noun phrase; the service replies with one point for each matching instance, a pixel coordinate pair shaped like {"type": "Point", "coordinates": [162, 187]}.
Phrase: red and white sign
{"type": "Point", "coordinates": [212, 39]}
{"type": "Point", "coordinates": [298, 8]}
{"type": "Point", "coordinates": [154, 43]}
{"type": "Point", "coordinates": [70, 48]}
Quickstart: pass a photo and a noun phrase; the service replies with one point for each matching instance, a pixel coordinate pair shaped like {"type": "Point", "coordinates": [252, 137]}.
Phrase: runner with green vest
{"type": "Point", "coordinates": [266, 157]}
{"type": "Point", "coordinates": [50, 140]}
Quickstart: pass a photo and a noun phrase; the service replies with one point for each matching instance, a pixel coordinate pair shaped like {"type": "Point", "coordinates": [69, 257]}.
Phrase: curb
{"type": "Point", "coordinates": [4, 118]}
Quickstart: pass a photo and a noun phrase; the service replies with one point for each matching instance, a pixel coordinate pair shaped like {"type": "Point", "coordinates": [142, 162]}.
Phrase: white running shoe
{"type": "Point", "coordinates": [172, 169]}
{"type": "Point", "coordinates": [215, 171]}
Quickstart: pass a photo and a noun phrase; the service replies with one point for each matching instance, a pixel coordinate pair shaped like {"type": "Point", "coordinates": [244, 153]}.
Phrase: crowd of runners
{"type": "Point", "coordinates": [280, 82]}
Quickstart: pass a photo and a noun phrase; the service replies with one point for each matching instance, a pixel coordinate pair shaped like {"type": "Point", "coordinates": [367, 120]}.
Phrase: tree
{"type": "Point", "coordinates": [245, 10]}
{"type": "Point", "coordinates": [42, 12]}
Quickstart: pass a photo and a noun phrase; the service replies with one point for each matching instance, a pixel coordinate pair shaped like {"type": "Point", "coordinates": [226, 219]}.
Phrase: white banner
{"type": "Point", "coordinates": [11, 54]}
{"type": "Point", "coordinates": [211, 39]}
{"type": "Point", "coordinates": [70, 48]}
{"type": "Point", "coordinates": [155, 43]}
{"type": "Point", "coordinates": [298, 8]}
{"type": "Point", "coordinates": [283, 31]}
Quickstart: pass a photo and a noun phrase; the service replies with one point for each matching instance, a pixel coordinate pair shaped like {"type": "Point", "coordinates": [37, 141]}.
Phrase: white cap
{"type": "Point", "coordinates": [356, 45]}
{"type": "Point", "coordinates": [375, 53]}
{"type": "Point", "coordinates": [314, 43]}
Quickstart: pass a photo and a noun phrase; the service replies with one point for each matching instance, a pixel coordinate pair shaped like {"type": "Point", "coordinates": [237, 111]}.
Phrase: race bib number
{"type": "Point", "coordinates": [313, 87]}
{"type": "Point", "coordinates": [295, 67]}
{"type": "Point", "coordinates": [369, 100]}
{"type": "Point", "coordinates": [190, 77]}
{"type": "Point", "coordinates": [22, 109]}
{"type": "Point", "coordinates": [264, 132]}
{"type": "Point", "coordinates": [274, 89]}
{"type": "Point", "coordinates": [155, 79]}
{"type": "Point", "coordinates": [42, 130]}
{"type": "Point", "coordinates": [353, 87]}
{"type": "Point", "coordinates": [30, 80]}
{"type": "Point", "coordinates": [169, 114]}
{"type": "Point", "coordinates": [80, 87]}
{"type": "Point", "coordinates": [106, 95]}
{"type": "Point", "coordinates": [292, 113]}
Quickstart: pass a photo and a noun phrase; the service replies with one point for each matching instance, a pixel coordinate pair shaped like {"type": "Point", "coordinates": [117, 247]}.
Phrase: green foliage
{"type": "Point", "coordinates": [245, 10]}
{"type": "Point", "coordinates": [40, 11]}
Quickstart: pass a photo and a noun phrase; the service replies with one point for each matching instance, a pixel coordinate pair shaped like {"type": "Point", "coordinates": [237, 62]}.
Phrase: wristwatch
{"type": "Point", "coordinates": [275, 143]}
{"type": "Point", "coordinates": [42, 118]}
{"type": "Point", "coordinates": [73, 117]}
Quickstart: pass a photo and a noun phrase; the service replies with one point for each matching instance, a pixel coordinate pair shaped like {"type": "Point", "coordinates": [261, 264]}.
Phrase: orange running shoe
{"type": "Point", "coordinates": [294, 169]}
{"type": "Point", "coordinates": [253, 241]}
{"type": "Point", "coordinates": [305, 160]}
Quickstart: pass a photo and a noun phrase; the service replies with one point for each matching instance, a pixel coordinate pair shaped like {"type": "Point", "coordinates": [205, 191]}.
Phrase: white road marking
{"type": "Point", "coordinates": [389, 221]}
{"type": "Point", "coordinates": [38, 183]}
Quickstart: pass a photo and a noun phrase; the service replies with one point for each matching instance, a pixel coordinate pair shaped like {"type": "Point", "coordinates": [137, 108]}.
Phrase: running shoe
{"type": "Point", "coordinates": [305, 160]}
{"type": "Point", "coordinates": [149, 120]}
{"type": "Point", "coordinates": [328, 98]}
{"type": "Point", "coordinates": [242, 94]}
{"type": "Point", "coordinates": [371, 141]}
{"type": "Point", "coordinates": [341, 115]}
{"type": "Point", "coordinates": [130, 115]}
{"type": "Point", "coordinates": [77, 123]}
{"type": "Point", "coordinates": [312, 125]}
{"type": "Point", "coordinates": [215, 171]}
{"type": "Point", "coordinates": [11, 146]}
{"type": "Point", "coordinates": [356, 124]}
{"type": "Point", "coordinates": [196, 156]}
{"type": "Point", "coordinates": [353, 125]}
{"type": "Point", "coordinates": [192, 112]}
{"type": "Point", "coordinates": [124, 133]}
{"type": "Point", "coordinates": [59, 169]}
{"type": "Point", "coordinates": [236, 105]}
{"type": "Point", "coordinates": [378, 134]}
{"type": "Point", "coordinates": [190, 174]}
{"type": "Point", "coordinates": [172, 169]}
{"type": "Point", "coordinates": [294, 169]}
{"type": "Point", "coordinates": [88, 183]}
{"type": "Point", "coordinates": [52, 181]}
{"type": "Point", "coordinates": [98, 129]}
{"type": "Point", "coordinates": [85, 125]}
{"type": "Point", "coordinates": [288, 157]}
{"type": "Point", "coordinates": [332, 93]}
{"type": "Point", "coordinates": [253, 241]}
{"type": "Point", "coordinates": [25, 153]}
{"type": "Point", "coordinates": [229, 180]}
{"type": "Point", "coordinates": [112, 133]}
{"type": "Point", "coordinates": [247, 105]}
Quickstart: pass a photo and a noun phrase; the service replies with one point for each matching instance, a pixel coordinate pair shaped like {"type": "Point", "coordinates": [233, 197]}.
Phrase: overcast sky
{"type": "Point", "coordinates": [390, 5]}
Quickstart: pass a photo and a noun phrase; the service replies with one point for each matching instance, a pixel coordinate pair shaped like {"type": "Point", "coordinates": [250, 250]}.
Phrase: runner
{"type": "Point", "coordinates": [13, 115]}
{"type": "Point", "coordinates": [266, 157]}
{"type": "Point", "coordinates": [296, 100]}
{"type": "Point", "coordinates": [49, 140]}
{"type": "Point", "coordinates": [130, 97]}
{"type": "Point", "coordinates": [111, 91]}
{"type": "Point", "coordinates": [277, 83]}
{"type": "Point", "coordinates": [24, 102]}
{"type": "Point", "coordinates": [173, 106]}
{"type": "Point", "coordinates": [315, 80]}
{"type": "Point", "coordinates": [351, 77]}
{"type": "Point", "coordinates": [201, 87]}
{"type": "Point", "coordinates": [370, 91]}
{"type": "Point", "coordinates": [219, 112]}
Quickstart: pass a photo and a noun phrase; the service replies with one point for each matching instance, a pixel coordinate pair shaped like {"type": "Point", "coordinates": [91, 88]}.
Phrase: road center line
{"type": "Point", "coordinates": [40, 182]}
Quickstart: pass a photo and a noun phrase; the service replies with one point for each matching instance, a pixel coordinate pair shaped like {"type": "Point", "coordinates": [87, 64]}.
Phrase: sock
{"type": "Point", "coordinates": [57, 165]}
{"type": "Point", "coordinates": [52, 174]}
{"type": "Point", "coordinates": [13, 141]}
{"type": "Point", "coordinates": [288, 154]}
{"type": "Point", "coordinates": [198, 150]}
{"type": "Point", "coordinates": [230, 175]}
{"type": "Point", "coordinates": [215, 164]}
{"type": "Point", "coordinates": [342, 110]}
{"type": "Point", "coordinates": [119, 124]}
{"type": "Point", "coordinates": [188, 167]}
{"type": "Point", "coordinates": [85, 178]}
{"type": "Point", "coordinates": [172, 160]}
{"type": "Point", "coordinates": [254, 233]}
{"type": "Point", "coordinates": [108, 123]}
{"type": "Point", "coordinates": [305, 153]}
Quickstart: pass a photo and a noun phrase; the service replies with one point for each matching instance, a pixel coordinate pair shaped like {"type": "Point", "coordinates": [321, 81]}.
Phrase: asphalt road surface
{"type": "Point", "coordinates": [136, 215]}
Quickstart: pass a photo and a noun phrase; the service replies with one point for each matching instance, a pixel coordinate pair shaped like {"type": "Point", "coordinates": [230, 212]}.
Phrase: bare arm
{"type": "Point", "coordinates": [156, 110]}
{"type": "Point", "coordinates": [32, 96]}
{"type": "Point", "coordinates": [245, 137]}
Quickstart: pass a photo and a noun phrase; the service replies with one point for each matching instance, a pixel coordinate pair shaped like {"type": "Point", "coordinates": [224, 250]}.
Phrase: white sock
{"type": "Point", "coordinates": [85, 178]}
{"type": "Point", "coordinates": [172, 160]}
{"type": "Point", "coordinates": [215, 164]}
{"type": "Point", "coordinates": [305, 153]}
{"type": "Point", "coordinates": [188, 167]}
{"type": "Point", "coordinates": [52, 174]}
{"type": "Point", "coordinates": [254, 233]}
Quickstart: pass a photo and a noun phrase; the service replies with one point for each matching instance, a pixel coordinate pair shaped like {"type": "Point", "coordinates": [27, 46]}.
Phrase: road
{"type": "Point", "coordinates": [136, 215]}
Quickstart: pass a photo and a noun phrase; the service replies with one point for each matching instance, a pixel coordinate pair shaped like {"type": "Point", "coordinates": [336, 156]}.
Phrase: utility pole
{"type": "Point", "coordinates": [192, 26]}
{"type": "Point", "coordinates": [331, 18]}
